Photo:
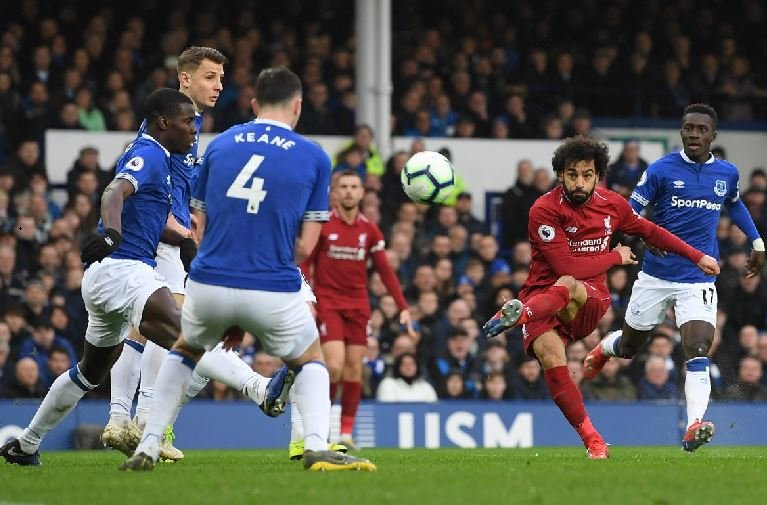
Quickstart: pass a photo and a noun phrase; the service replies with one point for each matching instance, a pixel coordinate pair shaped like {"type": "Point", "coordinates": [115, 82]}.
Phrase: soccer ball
{"type": "Point", "coordinates": [428, 177]}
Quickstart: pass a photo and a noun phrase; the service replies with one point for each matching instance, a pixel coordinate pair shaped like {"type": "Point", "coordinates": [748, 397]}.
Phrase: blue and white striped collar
{"type": "Point", "coordinates": [147, 136]}
{"type": "Point", "coordinates": [710, 159]}
{"type": "Point", "coordinates": [272, 122]}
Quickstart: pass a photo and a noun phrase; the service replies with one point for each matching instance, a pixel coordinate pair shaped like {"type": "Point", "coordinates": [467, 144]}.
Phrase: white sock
{"type": "Point", "coordinates": [697, 389]}
{"type": "Point", "coordinates": [172, 382]}
{"type": "Point", "coordinates": [296, 422]}
{"type": "Point", "coordinates": [124, 378]}
{"type": "Point", "coordinates": [312, 394]}
{"type": "Point", "coordinates": [151, 360]}
{"type": "Point", "coordinates": [196, 384]}
{"type": "Point", "coordinates": [64, 394]}
{"type": "Point", "coordinates": [611, 343]}
{"type": "Point", "coordinates": [227, 367]}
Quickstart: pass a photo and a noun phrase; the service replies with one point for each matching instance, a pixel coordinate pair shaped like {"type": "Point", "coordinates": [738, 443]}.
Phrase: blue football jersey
{"type": "Point", "coordinates": [258, 181]}
{"type": "Point", "coordinates": [183, 173]}
{"type": "Point", "coordinates": [688, 198]}
{"type": "Point", "coordinates": [146, 165]}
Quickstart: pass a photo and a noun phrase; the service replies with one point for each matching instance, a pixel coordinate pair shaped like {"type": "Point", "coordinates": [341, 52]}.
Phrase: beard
{"type": "Point", "coordinates": [578, 198]}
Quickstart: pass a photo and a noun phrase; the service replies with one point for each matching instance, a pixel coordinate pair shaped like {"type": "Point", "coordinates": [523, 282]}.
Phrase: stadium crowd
{"type": "Point", "coordinates": [60, 69]}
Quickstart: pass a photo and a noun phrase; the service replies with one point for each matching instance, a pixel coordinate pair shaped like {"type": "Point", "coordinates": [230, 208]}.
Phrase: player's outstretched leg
{"type": "Point", "coordinates": [541, 306]}
{"type": "Point", "coordinates": [312, 389]}
{"type": "Point", "coordinates": [276, 398]}
{"type": "Point", "coordinates": [13, 454]}
{"type": "Point", "coordinates": [595, 360]}
{"type": "Point", "coordinates": [550, 351]}
{"type": "Point", "coordinates": [64, 394]}
{"type": "Point", "coordinates": [124, 379]}
{"type": "Point", "coordinates": [174, 376]}
{"type": "Point", "coordinates": [227, 367]}
{"type": "Point", "coordinates": [296, 445]}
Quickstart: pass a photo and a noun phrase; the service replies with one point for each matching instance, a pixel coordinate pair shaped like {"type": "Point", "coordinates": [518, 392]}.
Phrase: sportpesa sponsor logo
{"type": "Point", "coordinates": [700, 203]}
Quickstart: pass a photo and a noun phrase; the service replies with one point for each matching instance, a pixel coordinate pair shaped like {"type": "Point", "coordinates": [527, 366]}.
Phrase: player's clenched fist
{"type": "Point", "coordinates": [98, 247]}
{"type": "Point", "coordinates": [627, 255]}
{"type": "Point", "coordinates": [709, 265]}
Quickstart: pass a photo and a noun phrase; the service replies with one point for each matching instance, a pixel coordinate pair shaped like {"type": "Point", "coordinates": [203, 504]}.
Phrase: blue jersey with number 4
{"type": "Point", "coordinates": [146, 165]}
{"type": "Point", "coordinates": [258, 181]}
{"type": "Point", "coordinates": [688, 198]}
{"type": "Point", "coordinates": [183, 173]}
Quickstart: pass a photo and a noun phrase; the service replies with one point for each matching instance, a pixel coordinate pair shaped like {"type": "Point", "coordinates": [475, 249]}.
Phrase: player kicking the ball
{"type": "Point", "coordinates": [259, 183]}
{"type": "Point", "coordinates": [566, 294]}
{"type": "Point", "coordinates": [200, 74]}
{"type": "Point", "coordinates": [120, 288]}
{"type": "Point", "coordinates": [688, 190]}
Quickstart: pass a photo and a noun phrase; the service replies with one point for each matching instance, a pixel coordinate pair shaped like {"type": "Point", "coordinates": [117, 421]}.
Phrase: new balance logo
{"type": "Point", "coordinates": [571, 229]}
{"type": "Point", "coordinates": [109, 241]}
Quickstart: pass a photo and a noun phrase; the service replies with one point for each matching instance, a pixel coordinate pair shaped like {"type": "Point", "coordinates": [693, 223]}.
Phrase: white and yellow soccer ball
{"type": "Point", "coordinates": [428, 177]}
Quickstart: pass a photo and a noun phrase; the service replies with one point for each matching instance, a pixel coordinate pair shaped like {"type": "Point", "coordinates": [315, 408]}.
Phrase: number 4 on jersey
{"type": "Point", "coordinates": [254, 194]}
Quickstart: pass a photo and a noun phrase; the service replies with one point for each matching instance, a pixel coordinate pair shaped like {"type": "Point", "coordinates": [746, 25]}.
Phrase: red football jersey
{"type": "Point", "coordinates": [574, 240]}
{"type": "Point", "coordinates": [338, 264]}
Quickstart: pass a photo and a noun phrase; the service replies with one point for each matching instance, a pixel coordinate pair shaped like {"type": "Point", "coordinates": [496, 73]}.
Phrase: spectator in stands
{"type": "Point", "coordinates": [373, 368]}
{"type": "Point", "coordinates": [443, 118]}
{"type": "Point", "coordinates": [26, 162]}
{"type": "Point", "coordinates": [26, 382]}
{"type": "Point", "coordinates": [36, 112]}
{"type": "Point", "coordinates": [761, 354]}
{"type": "Point", "coordinates": [624, 174]}
{"type": "Point", "coordinates": [456, 356]}
{"type": "Point", "coordinates": [41, 344]}
{"type": "Point", "coordinates": [59, 361]}
{"type": "Point", "coordinates": [90, 117]}
{"type": "Point", "coordinates": [5, 361]}
{"type": "Point", "coordinates": [463, 206]}
{"type": "Point", "coordinates": [495, 387]}
{"type": "Point", "coordinates": [517, 201]}
{"type": "Point", "coordinates": [609, 385]}
{"type": "Point", "coordinates": [748, 387]}
{"type": "Point", "coordinates": [317, 118]}
{"type": "Point", "coordinates": [656, 385]}
{"type": "Point", "coordinates": [455, 386]}
{"type": "Point", "coordinates": [87, 161]}
{"type": "Point", "coordinates": [67, 117]}
{"type": "Point", "coordinates": [406, 384]}
{"type": "Point", "coordinates": [528, 383]}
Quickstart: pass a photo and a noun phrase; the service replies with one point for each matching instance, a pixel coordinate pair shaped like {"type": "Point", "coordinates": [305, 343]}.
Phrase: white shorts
{"type": "Point", "coordinates": [306, 290]}
{"type": "Point", "coordinates": [115, 292]}
{"type": "Point", "coordinates": [169, 265]}
{"type": "Point", "coordinates": [282, 322]}
{"type": "Point", "coordinates": [650, 297]}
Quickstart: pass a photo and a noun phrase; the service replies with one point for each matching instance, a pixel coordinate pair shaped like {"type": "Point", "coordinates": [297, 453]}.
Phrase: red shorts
{"type": "Point", "coordinates": [348, 325]}
{"type": "Point", "coordinates": [586, 321]}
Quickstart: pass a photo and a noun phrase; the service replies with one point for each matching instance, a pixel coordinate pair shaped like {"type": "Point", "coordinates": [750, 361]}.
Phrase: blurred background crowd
{"type": "Point", "coordinates": [525, 70]}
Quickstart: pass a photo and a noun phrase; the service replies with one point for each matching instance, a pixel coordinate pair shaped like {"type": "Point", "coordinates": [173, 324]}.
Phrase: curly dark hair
{"type": "Point", "coordinates": [581, 148]}
{"type": "Point", "coordinates": [701, 108]}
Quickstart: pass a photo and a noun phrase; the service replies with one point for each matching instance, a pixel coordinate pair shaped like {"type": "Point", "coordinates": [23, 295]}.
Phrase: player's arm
{"type": "Point", "coordinates": [307, 240]}
{"type": "Point", "coordinates": [547, 234]}
{"type": "Point", "coordinates": [174, 232]}
{"type": "Point", "coordinates": [645, 193]}
{"type": "Point", "coordinates": [197, 200]}
{"type": "Point", "coordinates": [316, 213]}
{"type": "Point", "coordinates": [378, 255]}
{"type": "Point", "coordinates": [633, 224]}
{"type": "Point", "coordinates": [742, 219]}
{"type": "Point", "coordinates": [99, 246]}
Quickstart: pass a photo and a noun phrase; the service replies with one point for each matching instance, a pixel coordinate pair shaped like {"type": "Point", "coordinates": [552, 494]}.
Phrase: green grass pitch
{"type": "Point", "coordinates": [656, 476]}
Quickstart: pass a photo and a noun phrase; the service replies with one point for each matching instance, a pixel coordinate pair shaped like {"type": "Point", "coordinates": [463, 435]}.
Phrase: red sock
{"type": "Point", "coordinates": [568, 398]}
{"type": "Point", "coordinates": [350, 400]}
{"type": "Point", "coordinates": [333, 391]}
{"type": "Point", "coordinates": [546, 304]}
